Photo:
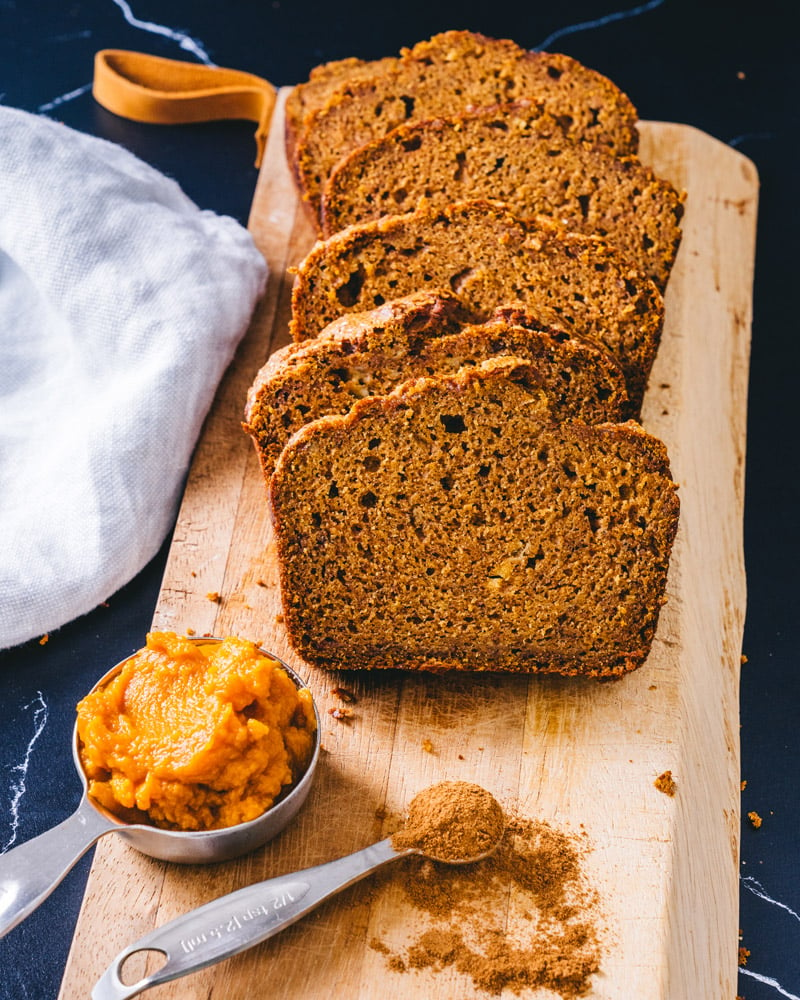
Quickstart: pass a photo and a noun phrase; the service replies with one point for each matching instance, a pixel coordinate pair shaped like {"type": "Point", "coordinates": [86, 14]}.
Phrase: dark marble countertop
{"type": "Point", "coordinates": [729, 69]}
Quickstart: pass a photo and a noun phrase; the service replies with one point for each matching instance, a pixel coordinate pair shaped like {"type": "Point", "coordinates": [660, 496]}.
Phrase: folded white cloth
{"type": "Point", "coordinates": [121, 304]}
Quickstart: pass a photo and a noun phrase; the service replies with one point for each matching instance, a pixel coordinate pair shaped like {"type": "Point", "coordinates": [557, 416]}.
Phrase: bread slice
{"type": "Point", "coordinates": [487, 257]}
{"type": "Point", "coordinates": [449, 73]}
{"type": "Point", "coordinates": [456, 523]}
{"type": "Point", "coordinates": [366, 354]}
{"type": "Point", "coordinates": [308, 97]}
{"type": "Point", "coordinates": [520, 156]}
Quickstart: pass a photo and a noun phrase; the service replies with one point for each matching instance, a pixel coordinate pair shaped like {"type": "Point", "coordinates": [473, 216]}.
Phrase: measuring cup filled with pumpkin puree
{"type": "Point", "coordinates": [191, 750]}
{"type": "Point", "coordinates": [195, 736]}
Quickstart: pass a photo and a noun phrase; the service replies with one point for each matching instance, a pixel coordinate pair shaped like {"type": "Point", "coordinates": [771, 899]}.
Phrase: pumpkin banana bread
{"type": "Point", "coordinates": [369, 354]}
{"type": "Point", "coordinates": [520, 156]}
{"type": "Point", "coordinates": [487, 257]}
{"type": "Point", "coordinates": [449, 73]}
{"type": "Point", "coordinates": [456, 523]}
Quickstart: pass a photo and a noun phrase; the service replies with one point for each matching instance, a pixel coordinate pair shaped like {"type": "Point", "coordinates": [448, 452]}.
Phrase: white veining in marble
{"type": "Point", "coordinates": [19, 772]}
{"type": "Point", "coordinates": [599, 22]}
{"type": "Point", "coordinates": [749, 136]}
{"type": "Point", "coordinates": [64, 98]}
{"type": "Point", "coordinates": [186, 42]}
{"type": "Point", "coordinates": [768, 981]}
{"type": "Point", "coordinates": [72, 36]}
{"type": "Point", "coordinates": [754, 886]}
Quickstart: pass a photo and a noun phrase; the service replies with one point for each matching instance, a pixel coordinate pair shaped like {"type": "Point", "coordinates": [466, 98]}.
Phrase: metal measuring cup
{"type": "Point", "coordinates": [30, 872]}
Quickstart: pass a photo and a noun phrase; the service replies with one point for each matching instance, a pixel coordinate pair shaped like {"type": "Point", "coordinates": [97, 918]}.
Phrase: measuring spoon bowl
{"type": "Point", "coordinates": [31, 871]}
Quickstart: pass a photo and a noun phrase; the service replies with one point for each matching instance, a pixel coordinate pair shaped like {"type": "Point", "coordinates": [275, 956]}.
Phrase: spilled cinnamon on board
{"type": "Point", "coordinates": [523, 919]}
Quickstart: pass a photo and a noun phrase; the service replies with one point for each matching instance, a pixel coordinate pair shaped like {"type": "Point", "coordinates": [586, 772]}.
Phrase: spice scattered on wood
{"type": "Point", "coordinates": [744, 954]}
{"type": "Point", "coordinates": [523, 919]}
{"type": "Point", "coordinates": [427, 746]}
{"type": "Point", "coordinates": [345, 695]}
{"type": "Point", "coordinates": [666, 783]}
{"type": "Point", "coordinates": [755, 819]}
{"type": "Point", "coordinates": [214, 596]}
{"type": "Point", "coordinates": [743, 785]}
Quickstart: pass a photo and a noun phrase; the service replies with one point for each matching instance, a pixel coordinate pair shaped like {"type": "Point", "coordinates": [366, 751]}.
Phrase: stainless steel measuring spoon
{"type": "Point", "coordinates": [237, 921]}
{"type": "Point", "coordinates": [30, 872]}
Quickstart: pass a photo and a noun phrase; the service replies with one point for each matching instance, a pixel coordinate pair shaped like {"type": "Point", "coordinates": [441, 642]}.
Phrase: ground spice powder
{"type": "Point", "coordinates": [454, 820]}
{"type": "Point", "coordinates": [524, 919]}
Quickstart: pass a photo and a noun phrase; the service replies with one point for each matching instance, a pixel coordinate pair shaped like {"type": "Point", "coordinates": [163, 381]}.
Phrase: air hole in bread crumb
{"type": "Point", "coordinates": [348, 293]}
{"type": "Point", "coordinates": [368, 499]}
{"type": "Point", "coordinates": [453, 423]}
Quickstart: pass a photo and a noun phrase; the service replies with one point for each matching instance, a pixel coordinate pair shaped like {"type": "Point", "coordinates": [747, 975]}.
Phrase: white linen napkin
{"type": "Point", "coordinates": [121, 304]}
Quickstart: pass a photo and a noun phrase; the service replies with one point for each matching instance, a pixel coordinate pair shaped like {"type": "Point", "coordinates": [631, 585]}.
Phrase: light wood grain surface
{"type": "Point", "coordinates": [563, 750]}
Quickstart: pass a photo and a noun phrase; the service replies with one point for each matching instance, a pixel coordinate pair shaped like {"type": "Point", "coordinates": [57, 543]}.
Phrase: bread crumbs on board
{"type": "Point", "coordinates": [666, 783]}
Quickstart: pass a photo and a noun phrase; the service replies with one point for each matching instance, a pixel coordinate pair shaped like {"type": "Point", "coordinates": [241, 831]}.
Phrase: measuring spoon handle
{"type": "Point", "coordinates": [30, 872]}
{"type": "Point", "coordinates": [239, 920]}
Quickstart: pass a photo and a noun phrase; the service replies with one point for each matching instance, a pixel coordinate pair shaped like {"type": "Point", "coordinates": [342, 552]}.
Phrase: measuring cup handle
{"type": "Point", "coordinates": [239, 920]}
{"type": "Point", "coordinates": [30, 872]}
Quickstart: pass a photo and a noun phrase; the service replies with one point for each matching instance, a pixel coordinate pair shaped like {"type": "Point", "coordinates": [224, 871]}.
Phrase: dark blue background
{"type": "Point", "coordinates": [727, 68]}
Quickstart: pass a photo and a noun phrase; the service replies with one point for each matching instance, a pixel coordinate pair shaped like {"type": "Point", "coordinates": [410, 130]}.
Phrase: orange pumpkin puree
{"type": "Point", "coordinates": [198, 736]}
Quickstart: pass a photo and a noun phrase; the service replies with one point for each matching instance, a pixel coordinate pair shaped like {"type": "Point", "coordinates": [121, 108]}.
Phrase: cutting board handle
{"type": "Point", "coordinates": [152, 89]}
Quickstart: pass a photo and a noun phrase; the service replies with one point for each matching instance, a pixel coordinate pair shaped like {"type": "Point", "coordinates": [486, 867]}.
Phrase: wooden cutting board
{"type": "Point", "coordinates": [567, 751]}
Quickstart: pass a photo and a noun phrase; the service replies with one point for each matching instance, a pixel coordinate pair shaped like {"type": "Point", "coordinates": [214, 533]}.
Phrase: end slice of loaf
{"type": "Point", "coordinates": [522, 157]}
{"type": "Point", "coordinates": [487, 257]}
{"type": "Point", "coordinates": [367, 354]}
{"type": "Point", "coordinates": [308, 97]}
{"type": "Point", "coordinates": [449, 73]}
{"type": "Point", "coordinates": [457, 524]}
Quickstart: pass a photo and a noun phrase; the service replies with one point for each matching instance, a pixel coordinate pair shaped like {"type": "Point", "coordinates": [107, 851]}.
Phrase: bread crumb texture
{"type": "Point", "coordinates": [456, 524]}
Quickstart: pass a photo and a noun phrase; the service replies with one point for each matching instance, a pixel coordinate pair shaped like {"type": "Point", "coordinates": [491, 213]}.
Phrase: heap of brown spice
{"type": "Point", "coordinates": [452, 821]}
{"type": "Point", "coordinates": [522, 919]}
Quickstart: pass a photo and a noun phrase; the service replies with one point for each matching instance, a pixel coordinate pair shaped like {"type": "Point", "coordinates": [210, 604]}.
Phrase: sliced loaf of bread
{"type": "Point", "coordinates": [368, 354]}
{"type": "Point", "coordinates": [487, 257]}
{"type": "Point", "coordinates": [449, 73]}
{"type": "Point", "coordinates": [520, 156]}
{"type": "Point", "coordinates": [457, 523]}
